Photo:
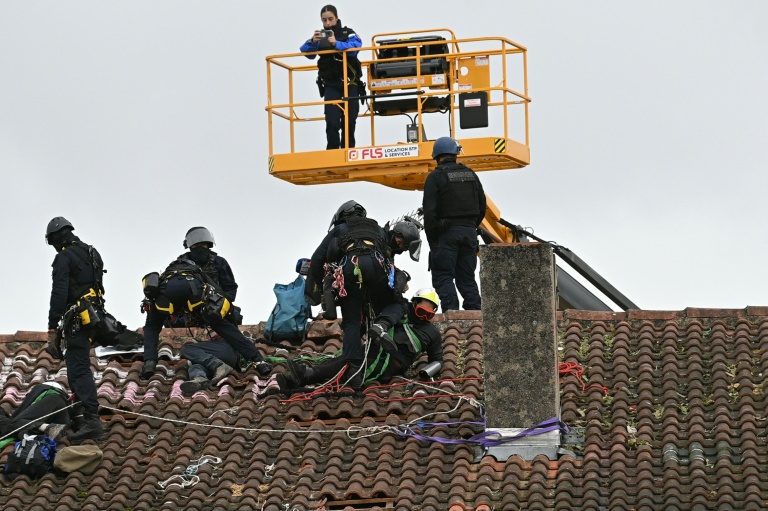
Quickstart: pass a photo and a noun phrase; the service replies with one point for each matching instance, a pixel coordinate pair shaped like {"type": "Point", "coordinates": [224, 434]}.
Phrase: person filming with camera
{"type": "Point", "coordinates": [330, 76]}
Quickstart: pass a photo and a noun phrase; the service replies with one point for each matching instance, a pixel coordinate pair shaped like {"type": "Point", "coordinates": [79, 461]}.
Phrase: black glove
{"type": "Point", "coordinates": [362, 92]}
{"type": "Point", "coordinates": [54, 343]}
{"type": "Point", "coordinates": [401, 281]}
{"type": "Point", "coordinates": [148, 369]}
{"type": "Point", "coordinates": [312, 292]}
{"type": "Point", "coordinates": [263, 367]}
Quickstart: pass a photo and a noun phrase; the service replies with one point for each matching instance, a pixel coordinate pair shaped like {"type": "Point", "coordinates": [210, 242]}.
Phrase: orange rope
{"type": "Point", "coordinates": [574, 369]}
{"type": "Point", "coordinates": [334, 387]}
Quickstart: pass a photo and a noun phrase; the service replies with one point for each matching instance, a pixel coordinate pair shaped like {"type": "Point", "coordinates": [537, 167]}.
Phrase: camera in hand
{"type": "Point", "coordinates": [325, 34]}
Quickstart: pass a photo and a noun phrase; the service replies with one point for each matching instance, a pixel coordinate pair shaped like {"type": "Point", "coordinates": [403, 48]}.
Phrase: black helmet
{"type": "Point", "coordinates": [56, 226]}
{"type": "Point", "coordinates": [346, 210]}
{"type": "Point", "coordinates": [198, 235]}
{"type": "Point", "coordinates": [409, 231]}
{"type": "Point", "coordinates": [445, 145]}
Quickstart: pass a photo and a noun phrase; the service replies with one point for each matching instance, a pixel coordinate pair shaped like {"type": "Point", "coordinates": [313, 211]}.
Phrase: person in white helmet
{"type": "Point", "coordinates": [195, 284]}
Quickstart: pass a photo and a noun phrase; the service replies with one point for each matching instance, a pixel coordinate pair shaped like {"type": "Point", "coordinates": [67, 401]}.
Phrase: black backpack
{"type": "Point", "coordinates": [33, 456]}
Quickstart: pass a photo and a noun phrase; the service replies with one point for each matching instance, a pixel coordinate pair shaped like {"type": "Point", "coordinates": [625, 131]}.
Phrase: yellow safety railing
{"type": "Point", "coordinates": [470, 65]}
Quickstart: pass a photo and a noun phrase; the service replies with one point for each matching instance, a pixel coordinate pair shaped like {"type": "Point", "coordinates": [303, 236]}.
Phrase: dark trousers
{"type": "Point", "coordinates": [368, 286]}
{"type": "Point", "coordinates": [205, 357]}
{"type": "Point", "coordinates": [334, 116]}
{"type": "Point", "coordinates": [323, 372]}
{"type": "Point", "coordinates": [179, 292]}
{"type": "Point", "coordinates": [455, 259]}
{"type": "Point", "coordinates": [79, 375]}
{"type": "Point", "coordinates": [27, 415]}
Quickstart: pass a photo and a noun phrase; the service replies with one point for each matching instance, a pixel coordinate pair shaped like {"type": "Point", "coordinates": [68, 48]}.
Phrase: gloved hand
{"type": "Point", "coordinates": [312, 292]}
{"type": "Point", "coordinates": [53, 346]}
{"type": "Point", "coordinates": [401, 281]}
{"type": "Point", "coordinates": [148, 369]}
{"type": "Point", "coordinates": [263, 367]}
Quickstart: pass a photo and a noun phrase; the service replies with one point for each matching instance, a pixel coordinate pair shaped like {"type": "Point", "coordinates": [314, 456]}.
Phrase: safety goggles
{"type": "Point", "coordinates": [424, 313]}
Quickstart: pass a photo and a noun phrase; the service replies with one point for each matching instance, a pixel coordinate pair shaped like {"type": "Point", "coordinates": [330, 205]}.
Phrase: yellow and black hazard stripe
{"type": "Point", "coordinates": [499, 145]}
{"type": "Point", "coordinates": [271, 163]}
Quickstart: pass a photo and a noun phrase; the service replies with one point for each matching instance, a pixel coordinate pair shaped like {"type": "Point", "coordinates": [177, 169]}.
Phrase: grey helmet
{"type": "Point", "coordinates": [55, 226]}
{"type": "Point", "coordinates": [346, 210]}
{"type": "Point", "coordinates": [445, 145]}
{"type": "Point", "coordinates": [198, 235]}
{"type": "Point", "coordinates": [409, 231]}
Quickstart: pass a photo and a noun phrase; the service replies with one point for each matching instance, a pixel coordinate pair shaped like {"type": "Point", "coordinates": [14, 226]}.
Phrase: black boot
{"type": "Point", "coordinates": [78, 420]}
{"type": "Point", "coordinates": [353, 376]}
{"type": "Point", "coordinates": [379, 331]}
{"type": "Point", "coordinates": [286, 383]}
{"type": "Point", "coordinates": [300, 373]}
{"type": "Point", "coordinates": [91, 430]}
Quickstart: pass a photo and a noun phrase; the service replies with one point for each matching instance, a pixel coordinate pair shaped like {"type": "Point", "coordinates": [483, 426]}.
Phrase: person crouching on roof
{"type": "Point", "coordinates": [200, 284]}
{"type": "Point", "coordinates": [360, 254]}
{"type": "Point", "coordinates": [391, 352]}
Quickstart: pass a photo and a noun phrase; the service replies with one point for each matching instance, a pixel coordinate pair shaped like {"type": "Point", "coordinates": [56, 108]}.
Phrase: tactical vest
{"type": "Point", "coordinates": [363, 234]}
{"type": "Point", "coordinates": [461, 196]}
{"type": "Point", "coordinates": [184, 266]}
{"type": "Point", "coordinates": [84, 256]}
{"type": "Point", "coordinates": [331, 66]}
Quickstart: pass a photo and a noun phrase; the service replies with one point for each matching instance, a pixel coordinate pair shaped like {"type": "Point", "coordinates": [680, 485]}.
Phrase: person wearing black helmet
{"type": "Point", "coordinates": [409, 336]}
{"type": "Point", "coordinates": [454, 206]}
{"type": "Point", "coordinates": [200, 285]}
{"type": "Point", "coordinates": [77, 289]}
{"type": "Point", "coordinates": [346, 210]}
{"type": "Point", "coordinates": [359, 255]}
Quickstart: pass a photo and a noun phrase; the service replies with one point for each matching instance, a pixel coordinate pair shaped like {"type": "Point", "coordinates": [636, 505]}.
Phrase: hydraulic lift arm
{"type": "Point", "coordinates": [495, 229]}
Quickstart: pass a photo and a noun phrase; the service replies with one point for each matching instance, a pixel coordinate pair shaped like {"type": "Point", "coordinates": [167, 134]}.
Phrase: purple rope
{"type": "Point", "coordinates": [553, 424]}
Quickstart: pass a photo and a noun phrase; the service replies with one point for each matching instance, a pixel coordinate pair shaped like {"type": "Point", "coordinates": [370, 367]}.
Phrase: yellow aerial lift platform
{"type": "Point", "coordinates": [423, 75]}
{"type": "Point", "coordinates": [419, 74]}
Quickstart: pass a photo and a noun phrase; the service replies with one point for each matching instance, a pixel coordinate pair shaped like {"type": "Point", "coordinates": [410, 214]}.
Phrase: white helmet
{"type": "Point", "coordinates": [427, 293]}
{"type": "Point", "coordinates": [198, 235]}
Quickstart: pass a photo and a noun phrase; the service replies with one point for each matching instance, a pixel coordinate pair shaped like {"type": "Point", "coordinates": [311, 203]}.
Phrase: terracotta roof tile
{"type": "Point", "coordinates": [687, 381]}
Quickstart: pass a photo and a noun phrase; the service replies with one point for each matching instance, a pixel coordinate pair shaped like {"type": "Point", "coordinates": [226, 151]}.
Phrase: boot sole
{"type": "Point", "coordinates": [190, 388]}
{"type": "Point", "coordinates": [221, 372]}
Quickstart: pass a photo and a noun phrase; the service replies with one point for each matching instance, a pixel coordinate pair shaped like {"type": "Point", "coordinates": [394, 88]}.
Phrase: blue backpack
{"type": "Point", "coordinates": [32, 456]}
{"type": "Point", "coordinates": [290, 317]}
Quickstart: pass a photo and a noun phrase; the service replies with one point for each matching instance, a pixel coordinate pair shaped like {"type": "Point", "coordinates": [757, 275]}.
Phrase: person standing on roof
{"type": "Point", "coordinates": [199, 283]}
{"type": "Point", "coordinates": [75, 295]}
{"type": "Point", "coordinates": [453, 206]}
{"type": "Point", "coordinates": [360, 254]}
{"type": "Point", "coordinates": [410, 335]}
{"type": "Point", "coordinates": [330, 75]}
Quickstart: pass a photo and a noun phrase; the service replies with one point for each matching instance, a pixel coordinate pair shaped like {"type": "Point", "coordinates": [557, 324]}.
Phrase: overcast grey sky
{"type": "Point", "coordinates": [137, 120]}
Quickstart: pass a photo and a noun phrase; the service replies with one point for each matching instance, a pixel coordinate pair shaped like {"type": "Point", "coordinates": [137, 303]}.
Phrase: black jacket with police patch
{"type": "Point", "coordinates": [451, 192]}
